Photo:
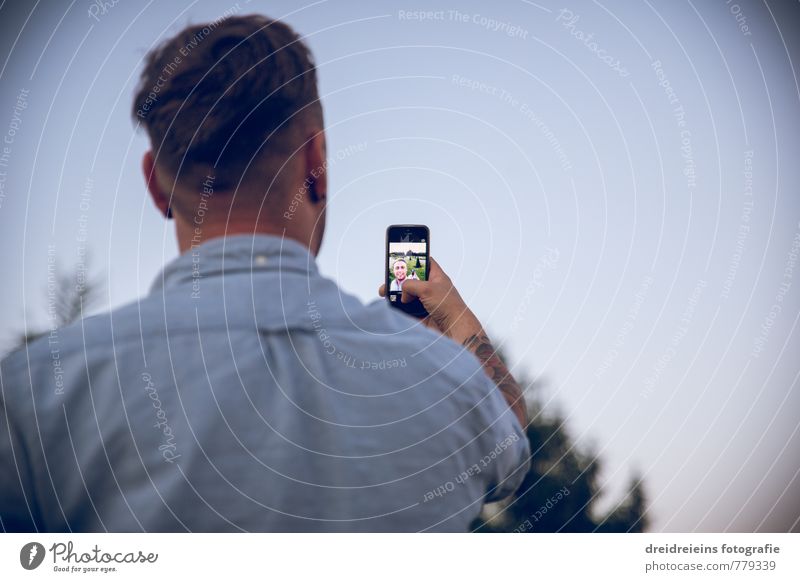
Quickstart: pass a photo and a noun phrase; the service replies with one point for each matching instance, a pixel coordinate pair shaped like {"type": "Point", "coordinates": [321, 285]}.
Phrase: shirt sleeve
{"type": "Point", "coordinates": [505, 448]}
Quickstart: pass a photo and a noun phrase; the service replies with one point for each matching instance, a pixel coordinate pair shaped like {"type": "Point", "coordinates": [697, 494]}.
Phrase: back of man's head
{"type": "Point", "coordinates": [233, 98]}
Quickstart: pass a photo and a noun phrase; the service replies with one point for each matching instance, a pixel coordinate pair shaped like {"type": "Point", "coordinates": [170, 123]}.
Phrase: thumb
{"type": "Point", "coordinates": [413, 289]}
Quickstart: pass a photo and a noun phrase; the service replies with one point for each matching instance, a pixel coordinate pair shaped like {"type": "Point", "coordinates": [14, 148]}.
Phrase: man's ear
{"type": "Point", "coordinates": [160, 198]}
{"type": "Point", "coordinates": [317, 167]}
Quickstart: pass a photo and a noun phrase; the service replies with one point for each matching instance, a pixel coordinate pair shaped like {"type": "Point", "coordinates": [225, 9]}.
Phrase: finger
{"type": "Point", "coordinates": [412, 290]}
{"type": "Point", "coordinates": [434, 270]}
{"type": "Point", "coordinates": [382, 290]}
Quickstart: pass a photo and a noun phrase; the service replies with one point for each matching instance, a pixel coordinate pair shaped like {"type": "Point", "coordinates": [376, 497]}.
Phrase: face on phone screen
{"type": "Point", "coordinates": [407, 260]}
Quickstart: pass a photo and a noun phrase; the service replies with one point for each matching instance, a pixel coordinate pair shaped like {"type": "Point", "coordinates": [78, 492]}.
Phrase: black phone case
{"type": "Point", "coordinates": [413, 308]}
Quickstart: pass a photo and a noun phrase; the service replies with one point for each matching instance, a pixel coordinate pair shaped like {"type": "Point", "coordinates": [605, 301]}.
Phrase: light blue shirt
{"type": "Point", "coordinates": [248, 392]}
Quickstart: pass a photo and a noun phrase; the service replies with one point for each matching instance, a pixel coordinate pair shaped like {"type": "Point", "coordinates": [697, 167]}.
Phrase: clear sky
{"type": "Point", "coordinates": [612, 186]}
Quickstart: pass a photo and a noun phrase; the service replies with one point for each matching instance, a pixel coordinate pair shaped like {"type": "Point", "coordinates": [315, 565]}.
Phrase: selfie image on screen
{"type": "Point", "coordinates": [406, 262]}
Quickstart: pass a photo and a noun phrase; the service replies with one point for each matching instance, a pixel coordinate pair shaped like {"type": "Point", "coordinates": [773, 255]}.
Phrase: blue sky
{"type": "Point", "coordinates": [613, 187]}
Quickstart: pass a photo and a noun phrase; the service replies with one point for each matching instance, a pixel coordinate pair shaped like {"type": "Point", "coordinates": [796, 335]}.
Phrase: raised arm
{"type": "Point", "coordinates": [451, 317]}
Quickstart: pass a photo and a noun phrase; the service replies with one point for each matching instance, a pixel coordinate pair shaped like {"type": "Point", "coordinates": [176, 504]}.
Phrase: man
{"type": "Point", "coordinates": [399, 269]}
{"type": "Point", "coordinates": [246, 392]}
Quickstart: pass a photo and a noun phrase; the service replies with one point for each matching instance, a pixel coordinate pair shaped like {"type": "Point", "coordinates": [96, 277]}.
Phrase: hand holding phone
{"type": "Point", "coordinates": [447, 312]}
{"type": "Point", "coordinates": [450, 316]}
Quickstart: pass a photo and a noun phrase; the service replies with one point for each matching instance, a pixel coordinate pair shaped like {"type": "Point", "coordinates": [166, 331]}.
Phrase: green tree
{"type": "Point", "coordinates": [68, 296]}
{"type": "Point", "coordinates": [560, 491]}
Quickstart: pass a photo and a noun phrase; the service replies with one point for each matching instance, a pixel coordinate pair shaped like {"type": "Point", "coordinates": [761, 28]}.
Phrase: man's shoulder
{"type": "Point", "coordinates": [440, 355]}
{"type": "Point", "coordinates": [71, 340]}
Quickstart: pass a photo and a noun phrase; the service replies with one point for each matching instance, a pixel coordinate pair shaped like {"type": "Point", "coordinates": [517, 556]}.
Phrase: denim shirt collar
{"type": "Point", "coordinates": [235, 254]}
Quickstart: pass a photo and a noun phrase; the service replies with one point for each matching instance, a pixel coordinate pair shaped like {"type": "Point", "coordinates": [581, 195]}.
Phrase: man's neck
{"type": "Point", "coordinates": [190, 236]}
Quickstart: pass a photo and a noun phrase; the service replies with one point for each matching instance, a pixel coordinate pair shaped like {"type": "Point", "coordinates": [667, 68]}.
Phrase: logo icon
{"type": "Point", "coordinates": [31, 555]}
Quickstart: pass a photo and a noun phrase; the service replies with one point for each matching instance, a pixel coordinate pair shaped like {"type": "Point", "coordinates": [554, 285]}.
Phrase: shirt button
{"type": "Point", "coordinates": [261, 260]}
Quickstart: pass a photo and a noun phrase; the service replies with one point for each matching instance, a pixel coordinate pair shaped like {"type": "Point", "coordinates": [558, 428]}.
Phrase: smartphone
{"type": "Point", "coordinates": [407, 257]}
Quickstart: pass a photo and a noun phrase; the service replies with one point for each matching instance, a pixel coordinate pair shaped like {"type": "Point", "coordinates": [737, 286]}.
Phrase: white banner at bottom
{"type": "Point", "coordinates": [401, 557]}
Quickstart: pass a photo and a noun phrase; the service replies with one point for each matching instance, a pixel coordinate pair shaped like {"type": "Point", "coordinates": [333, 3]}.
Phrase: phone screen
{"type": "Point", "coordinates": [407, 259]}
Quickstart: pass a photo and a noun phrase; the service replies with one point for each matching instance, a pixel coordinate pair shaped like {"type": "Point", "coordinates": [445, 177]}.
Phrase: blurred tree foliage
{"type": "Point", "coordinates": [68, 296]}
{"type": "Point", "coordinates": [561, 490]}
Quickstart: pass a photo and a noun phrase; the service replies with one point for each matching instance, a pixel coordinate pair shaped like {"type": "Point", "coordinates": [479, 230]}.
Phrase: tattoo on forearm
{"type": "Point", "coordinates": [498, 372]}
